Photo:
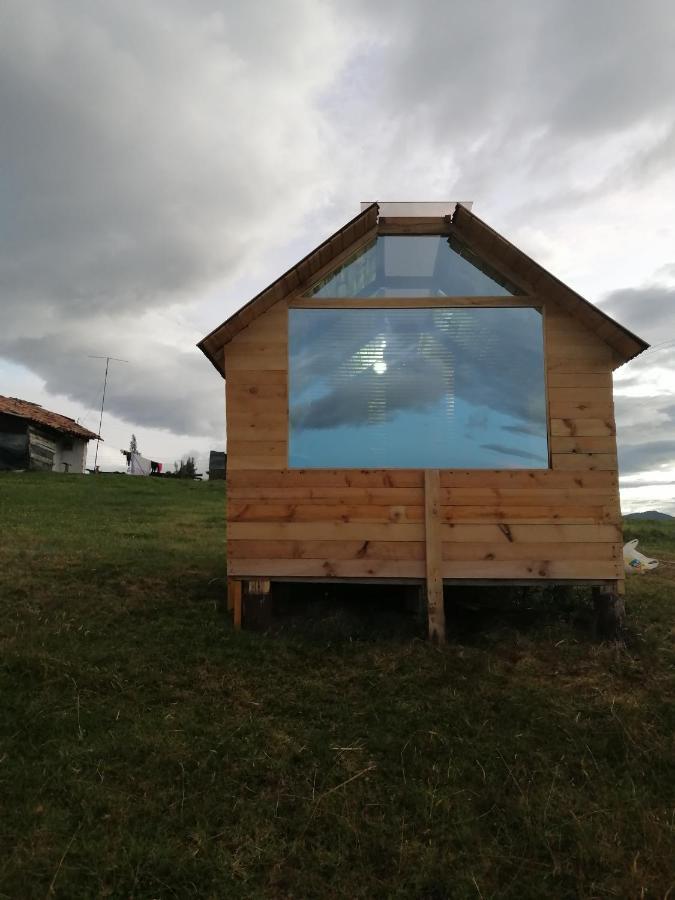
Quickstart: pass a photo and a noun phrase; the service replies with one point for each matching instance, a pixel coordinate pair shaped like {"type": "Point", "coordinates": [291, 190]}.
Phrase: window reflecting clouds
{"type": "Point", "coordinates": [413, 266]}
{"type": "Point", "coordinates": [417, 388]}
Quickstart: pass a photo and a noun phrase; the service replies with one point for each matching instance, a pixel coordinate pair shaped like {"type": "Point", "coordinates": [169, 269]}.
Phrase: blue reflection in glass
{"type": "Point", "coordinates": [414, 266]}
{"type": "Point", "coordinates": [417, 388]}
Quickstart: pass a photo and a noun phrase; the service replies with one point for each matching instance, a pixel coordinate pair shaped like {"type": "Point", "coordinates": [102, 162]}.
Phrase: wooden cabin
{"type": "Point", "coordinates": [418, 401]}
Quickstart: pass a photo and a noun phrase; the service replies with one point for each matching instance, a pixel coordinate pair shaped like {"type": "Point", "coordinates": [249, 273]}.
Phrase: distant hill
{"type": "Point", "coordinates": [652, 514]}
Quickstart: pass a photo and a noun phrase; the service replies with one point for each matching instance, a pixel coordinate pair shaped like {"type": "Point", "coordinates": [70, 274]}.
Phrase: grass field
{"type": "Point", "coordinates": [148, 751]}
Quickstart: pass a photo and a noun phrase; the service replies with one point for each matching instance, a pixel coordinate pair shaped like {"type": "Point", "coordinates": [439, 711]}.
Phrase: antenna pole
{"type": "Point", "coordinates": [105, 384]}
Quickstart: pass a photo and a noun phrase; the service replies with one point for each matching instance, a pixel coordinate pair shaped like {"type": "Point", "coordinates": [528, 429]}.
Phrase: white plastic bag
{"type": "Point", "coordinates": [634, 562]}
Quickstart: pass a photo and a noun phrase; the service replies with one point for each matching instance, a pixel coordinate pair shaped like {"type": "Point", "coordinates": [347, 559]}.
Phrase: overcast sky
{"type": "Point", "coordinates": [161, 162]}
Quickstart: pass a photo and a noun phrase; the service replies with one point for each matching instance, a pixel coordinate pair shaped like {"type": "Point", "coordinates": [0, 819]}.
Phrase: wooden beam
{"type": "Point", "coordinates": [234, 597]}
{"type": "Point", "coordinates": [434, 574]}
{"type": "Point", "coordinates": [529, 302]}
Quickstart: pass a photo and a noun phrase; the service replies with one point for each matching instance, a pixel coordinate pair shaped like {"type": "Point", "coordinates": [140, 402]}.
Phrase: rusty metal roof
{"type": "Point", "coordinates": [23, 409]}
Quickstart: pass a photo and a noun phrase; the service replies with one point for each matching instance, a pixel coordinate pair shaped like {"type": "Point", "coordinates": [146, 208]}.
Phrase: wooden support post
{"type": "Point", "coordinates": [257, 604]}
{"type": "Point", "coordinates": [434, 586]}
{"type": "Point", "coordinates": [609, 613]}
{"type": "Point", "coordinates": [234, 601]}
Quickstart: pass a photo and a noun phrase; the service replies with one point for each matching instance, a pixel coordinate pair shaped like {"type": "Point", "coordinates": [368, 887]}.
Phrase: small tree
{"type": "Point", "coordinates": [133, 444]}
{"type": "Point", "coordinates": [185, 468]}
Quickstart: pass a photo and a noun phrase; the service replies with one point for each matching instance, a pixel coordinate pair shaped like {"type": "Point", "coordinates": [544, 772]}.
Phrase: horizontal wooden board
{"type": "Point", "coordinates": [270, 355]}
{"type": "Point", "coordinates": [329, 568]}
{"type": "Point", "coordinates": [507, 551]}
{"type": "Point", "coordinates": [415, 497]}
{"type": "Point", "coordinates": [257, 430]}
{"type": "Point", "coordinates": [400, 550]}
{"type": "Point", "coordinates": [581, 409]}
{"type": "Point", "coordinates": [391, 478]}
{"type": "Point", "coordinates": [580, 379]}
{"type": "Point", "coordinates": [375, 478]}
{"type": "Point", "coordinates": [246, 414]}
{"type": "Point", "coordinates": [581, 394]}
{"type": "Point", "coordinates": [474, 569]}
{"type": "Point", "coordinates": [526, 478]}
{"type": "Point", "coordinates": [256, 448]}
{"type": "Point", "coordinates": [583, 444]}
{"type": "Point", "coordinates": [325, 531]}
{"type": "Point", "coordinates": [263, 394]}
{"type": "Point", "coordinates": [515, 532]}
{"type": "Point", "coordinates": [285, 549]}
{"type": "Point", "coordinates": [583, 427]}
{"type": "Point", "coordinates": [578, 366]}
{"type": "Point", "coordinates": [357, 495]}
{"type": "Point", "coordinates": [544, 568]}
{"type": "Point", "coordinates": [245, 511]}
{"type": "Point", "coordinates": [256, 377]}
{"type": "Point", "coordinates": [603, 462]}
{"type": "Point", "coordinates": [511, 532]}
{"type": "Point", "coordinates": [255, 463]}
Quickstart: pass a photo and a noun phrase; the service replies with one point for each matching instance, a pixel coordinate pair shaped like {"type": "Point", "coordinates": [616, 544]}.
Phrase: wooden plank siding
{"type": "Point", "coordinates": [557, 524]}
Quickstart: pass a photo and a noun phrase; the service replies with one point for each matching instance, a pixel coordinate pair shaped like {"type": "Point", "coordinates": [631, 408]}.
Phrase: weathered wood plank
{"type": "Point", "coordinates": [474, 569]}
{"type": "Point", "coordinates": [251, 462]}
{"type": "Point", "coordinates": [603, 462]}
{"type": "Point", "coordinates": [410, 478]}
{"type": "Point", "coordinates": [266, 356]}
{"type": "Point", "coordinates": [544, 569]}
{"type": "Point", "coordinates": [509, 532]}
{"type": "Point", "coordinates": [344, 549]}
{"type": "Point", "coordinates": [581, 394]}
{"type": "Point", "coordinates": [375, 478]}
{"type": "Point", "coordinates": [583, 444]}
{"type": "Point", "coordinates": [515, 532]}
{"type": "Point", "coordinates": [580, 379]}
{"type": "Point", "coordinates": [580, 409]}
{"type": "Point", "coordinates": [478, 496]}
{"type": "Point", "coordinates": [325, 531]}
{"type": "Point", "coordinates": [328, 568]}
{"type": "Point", "coordinates": [256, 377]}
{"type": "Point", "coordinates": [507, 551]}
{"type": "Point", "coordinates": [256, 431]}
{"type": "Point", "coordinates": [247, 511]}
{"type": "Point", "coordinates": [350, 549]}
{"type": "Point", "coordinates": [583, 427]}
{"type": "Point", "coordinates": [432, 538]}
{"type": "Point", "coordinates": [266, 396]}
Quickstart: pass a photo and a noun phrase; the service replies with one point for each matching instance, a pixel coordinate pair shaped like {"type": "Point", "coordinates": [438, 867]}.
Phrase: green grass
{"type": "Point", "coordinates": [146, 750]}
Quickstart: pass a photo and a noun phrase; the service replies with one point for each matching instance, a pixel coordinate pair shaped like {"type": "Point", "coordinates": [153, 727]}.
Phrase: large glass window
{"type": "Point", "coordinates": [413, 266]}
{"type": "Point", "coordinates": [417, 388]}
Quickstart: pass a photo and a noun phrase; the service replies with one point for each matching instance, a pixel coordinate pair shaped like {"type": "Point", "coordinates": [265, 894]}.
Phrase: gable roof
{"type": "Point", "coordinates": [212, 345]}
{"type": "Point", "coordinates": [33, 412]}
{"type": "Point", "coordinates": [511, 261]}
{"type": "Point", "coordinates": [479, 237]}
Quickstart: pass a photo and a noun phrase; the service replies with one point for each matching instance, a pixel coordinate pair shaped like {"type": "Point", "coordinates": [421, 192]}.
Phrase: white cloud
{"type": "Point", "coordinates": [162, 162]}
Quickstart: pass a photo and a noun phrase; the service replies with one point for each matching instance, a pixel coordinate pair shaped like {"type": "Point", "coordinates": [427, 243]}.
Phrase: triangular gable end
{"type": "Point", "coordinates": [413, 266]}
{"type": "Point", "coordinates": [503, 254]}
{"type": "Point", "coordinates": [340, 244]}
{"type": "Point", "coordinates": [507, 269]}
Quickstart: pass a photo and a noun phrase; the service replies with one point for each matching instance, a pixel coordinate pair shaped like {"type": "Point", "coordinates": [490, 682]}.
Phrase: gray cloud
{"type": "Point", "coordinates": [649, 311]}
{"type": "Point", "coordinates": [152, 152]}
{"type": "Point", "coordinates": [646, 456]}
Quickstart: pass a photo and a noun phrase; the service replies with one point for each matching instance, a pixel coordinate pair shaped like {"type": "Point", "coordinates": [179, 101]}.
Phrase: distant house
{"type": "Point", "coordinates": [32, 437]}
{"type": "Point", "coordinates": [217, 464]}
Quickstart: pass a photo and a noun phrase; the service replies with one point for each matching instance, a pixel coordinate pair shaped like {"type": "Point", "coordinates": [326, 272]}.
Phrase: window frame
{"type": "Point", "coordinates": [527, 298]}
